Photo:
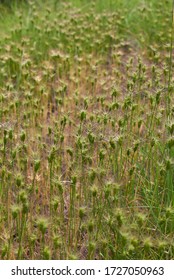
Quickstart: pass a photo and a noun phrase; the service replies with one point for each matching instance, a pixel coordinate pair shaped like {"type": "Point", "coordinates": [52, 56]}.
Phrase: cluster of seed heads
{"type": "Point", "coordinates": [86, 134]}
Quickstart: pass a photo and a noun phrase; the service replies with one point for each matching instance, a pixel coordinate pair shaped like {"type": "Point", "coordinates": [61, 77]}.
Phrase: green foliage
{"type": "Point", "coordinates": [86, 130]}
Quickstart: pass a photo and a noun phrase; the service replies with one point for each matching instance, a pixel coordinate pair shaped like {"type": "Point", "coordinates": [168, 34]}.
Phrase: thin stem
{"type": "Point", "coordinates": [170, 62]}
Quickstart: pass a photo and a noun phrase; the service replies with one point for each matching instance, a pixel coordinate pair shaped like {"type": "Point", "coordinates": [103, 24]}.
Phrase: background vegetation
{"type": "Point", "coordinates": [86, 130]}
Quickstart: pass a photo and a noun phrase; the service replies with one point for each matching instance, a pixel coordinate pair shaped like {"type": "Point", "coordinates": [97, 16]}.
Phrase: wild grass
{"type": "Point", "coordinates": [86, 130]}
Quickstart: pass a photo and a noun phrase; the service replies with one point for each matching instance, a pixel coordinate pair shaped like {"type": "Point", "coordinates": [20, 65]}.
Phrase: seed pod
{"type": "Point", "coordinates": [91, 246]}
{"type": "Point", "coordinates": [90, 226]}
{"type": "Point", "coordinates": [147, 244]}
{"type": "Point", "coordinates": [18, 180]}
{"type": "Point", "coordinates": [82, 115]}
{"type": "Point", "coordinates": [46, 253]}
{"type": "Point", "coordinates": [94, 191]}
{"type": "Point", "coordinates": [14, 154]}
{"type": "Point", "coordinates": [4, 250]}
{"type": "Point", "coordinates": [101, 155]}
{"type": "Point", "coordinates": [25, 207]}
{"type": "Point", "coordinates": [112, 144]}
{"type": "Point", "coordinates": [141, 219]}
{"type": "Point", "coordinates": [15, 211]}
{"type": "Point", "coordinates": [60, 187]}
{"type": "Point", "coordinates": [171, 128]}
{"type": "Point", "coordinates": [10, 134]}
{"type": "Point", "coordinates": [70, 151]}
{"type": "Point", "coordinates": [82, 212]}
{"type": "Point", "coordinates": [55, 203]}
{"type": "Point", "coordinates": [23, 196]}
{"type": "Point", "coordinates": [170, 142]}
{"type": "Point", "coordinates": [91, 138]}
{"type": "Point", "coordinates": [42, 224]}
{"type": "Point", "coordinates": [56, 242]}
{"type": "Point", "coordinates": [36, 165]}
{"type": "Point", "coordinates": [22, 136]}
{"type": "Point", "coordinates": [51, 155]}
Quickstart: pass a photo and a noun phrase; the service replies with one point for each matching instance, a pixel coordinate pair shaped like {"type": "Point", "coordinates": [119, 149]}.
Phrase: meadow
{"type": "Point", "coordinates": [86, 130]}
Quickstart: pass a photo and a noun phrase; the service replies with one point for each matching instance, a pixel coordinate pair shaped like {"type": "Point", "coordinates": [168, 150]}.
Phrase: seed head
{"type": "Point", "coordinates": [36, 165]}
{"type": "Point", "coordinates": [42, 224]}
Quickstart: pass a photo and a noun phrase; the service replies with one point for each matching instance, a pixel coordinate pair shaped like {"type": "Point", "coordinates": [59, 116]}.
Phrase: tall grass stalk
{"type": "Point", "coordinates": [170, 63]}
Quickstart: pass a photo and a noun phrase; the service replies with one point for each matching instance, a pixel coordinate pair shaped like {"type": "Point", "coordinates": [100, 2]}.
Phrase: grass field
{"type": "Point", "coordinates": [87, 130]}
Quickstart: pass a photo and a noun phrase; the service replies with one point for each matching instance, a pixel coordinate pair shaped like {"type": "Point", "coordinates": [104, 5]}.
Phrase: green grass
{"type": "Point", "coordinates": [86, 130]}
